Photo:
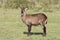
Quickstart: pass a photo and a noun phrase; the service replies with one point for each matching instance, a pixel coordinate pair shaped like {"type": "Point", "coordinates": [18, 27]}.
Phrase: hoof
{"type": "Point", "coordinates": [44, 34]}
{"type": "Point", "coordinates": [28, 34]}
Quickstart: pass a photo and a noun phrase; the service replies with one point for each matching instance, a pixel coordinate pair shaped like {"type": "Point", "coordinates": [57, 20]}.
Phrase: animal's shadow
{"type": "Point", "coordinates": [33, 33]}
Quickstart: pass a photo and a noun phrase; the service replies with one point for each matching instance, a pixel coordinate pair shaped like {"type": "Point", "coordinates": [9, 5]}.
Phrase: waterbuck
{"type": "Point", "coordinates": [34, 20]}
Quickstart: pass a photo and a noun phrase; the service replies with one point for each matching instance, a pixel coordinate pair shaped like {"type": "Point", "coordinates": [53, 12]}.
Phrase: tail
{"type": "Point", "coordinates": [46, 22]}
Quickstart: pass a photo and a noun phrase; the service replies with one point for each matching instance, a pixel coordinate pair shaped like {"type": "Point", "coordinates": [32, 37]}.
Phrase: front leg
{"type": "Point", "coordinates": [29, 29]}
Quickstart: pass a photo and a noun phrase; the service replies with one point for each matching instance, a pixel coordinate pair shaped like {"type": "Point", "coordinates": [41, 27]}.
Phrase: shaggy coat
{"type": "Point", "coordinates": [34, 20]}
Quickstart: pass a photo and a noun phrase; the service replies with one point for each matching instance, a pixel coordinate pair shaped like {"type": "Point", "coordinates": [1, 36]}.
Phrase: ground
{"type": "Point", "coordinates": [12, 27]}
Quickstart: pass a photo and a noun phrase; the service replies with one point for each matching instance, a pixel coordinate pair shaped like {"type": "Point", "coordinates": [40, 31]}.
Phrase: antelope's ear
{"type": "Point", "coordinates": [26, 9]}
{"type": "Point", "coordinates": [21, 7]}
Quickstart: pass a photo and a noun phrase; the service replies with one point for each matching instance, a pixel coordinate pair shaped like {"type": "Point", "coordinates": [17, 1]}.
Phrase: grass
{"type": "Point", "coordinates": [12, 27]}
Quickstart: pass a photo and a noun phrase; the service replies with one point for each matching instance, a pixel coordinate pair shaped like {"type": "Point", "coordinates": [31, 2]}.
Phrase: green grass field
{"type": "Point", "coordinates": [12, 27]}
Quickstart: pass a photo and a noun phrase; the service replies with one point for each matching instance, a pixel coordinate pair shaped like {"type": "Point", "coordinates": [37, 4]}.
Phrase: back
{"type": "Point", "coordinates": [35, 18]}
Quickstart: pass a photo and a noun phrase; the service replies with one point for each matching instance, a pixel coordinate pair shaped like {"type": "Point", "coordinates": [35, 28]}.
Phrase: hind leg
{"type": "Point", "coordinates": [44, 29]}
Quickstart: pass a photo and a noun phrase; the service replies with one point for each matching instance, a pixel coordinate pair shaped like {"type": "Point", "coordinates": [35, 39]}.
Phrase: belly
{"type": "Point", "coordinates": [35, 24]}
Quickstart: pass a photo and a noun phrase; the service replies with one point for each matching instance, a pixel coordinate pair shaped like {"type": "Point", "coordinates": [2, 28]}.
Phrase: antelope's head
{"type": "Point", "coordinates": [23, 9]}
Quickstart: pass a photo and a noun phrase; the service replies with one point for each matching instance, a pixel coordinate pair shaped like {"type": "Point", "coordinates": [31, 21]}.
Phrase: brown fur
{"type": "Point", "coordinates": [34, 19]}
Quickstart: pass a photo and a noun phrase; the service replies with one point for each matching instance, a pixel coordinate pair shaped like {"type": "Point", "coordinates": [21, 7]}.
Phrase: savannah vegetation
{"type": "Point", "coordinates": [12, 27]}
